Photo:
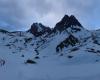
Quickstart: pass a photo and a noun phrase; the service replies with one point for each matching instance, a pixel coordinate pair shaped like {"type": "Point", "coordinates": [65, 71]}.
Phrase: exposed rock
{"type": "Point", "coordinates": [66, 22]}
{"type": "Point", "coordinates": [71, 40]}
{"type": "Point", "coordinates": [37, 29]}
{"type": "Point", "coordinates": [30, 62]}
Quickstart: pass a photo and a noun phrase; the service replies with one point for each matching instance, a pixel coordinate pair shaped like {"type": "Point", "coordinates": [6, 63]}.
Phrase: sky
{"type": "Point", "coordinates": [21, 14]}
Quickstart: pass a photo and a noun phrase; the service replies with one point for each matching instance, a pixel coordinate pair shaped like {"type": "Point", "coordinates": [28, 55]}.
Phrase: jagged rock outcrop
{"type": "Point", "coordinates": [37, 29]}
{"type": "Point", "coordinates": [66, 22]}
{"type": "Point", "coordinates": [71, 40]}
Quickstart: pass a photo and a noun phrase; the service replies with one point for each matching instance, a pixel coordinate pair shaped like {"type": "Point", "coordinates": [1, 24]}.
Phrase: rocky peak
{"type": "Point", "coordinates": [66, 22]}
{"type": "Point", "coordinates": [37, 29]}
{"type": "Point", "coordinates": [73, 21]}
{"type": "Point", "coordinates": [64, 19]}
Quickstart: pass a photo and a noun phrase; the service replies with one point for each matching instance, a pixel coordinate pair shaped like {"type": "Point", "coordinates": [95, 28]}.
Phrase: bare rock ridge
{"type": "Point", "coordinates": [37, 29]}
{"type": "Point", "coordinates": [71, 40]}
{"type": "Point", "coordinates": [66, 22]}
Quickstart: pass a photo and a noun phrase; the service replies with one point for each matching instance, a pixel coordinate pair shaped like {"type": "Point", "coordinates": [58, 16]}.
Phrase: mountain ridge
{"type": "Point", "coordinates": [64, 37]}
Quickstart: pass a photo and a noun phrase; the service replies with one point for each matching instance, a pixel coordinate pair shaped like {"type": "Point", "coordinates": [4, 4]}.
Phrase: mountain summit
{"type": "Point", "coordinates": [37, 29]}
{"type": "Point", "coordinates": [66, 22]}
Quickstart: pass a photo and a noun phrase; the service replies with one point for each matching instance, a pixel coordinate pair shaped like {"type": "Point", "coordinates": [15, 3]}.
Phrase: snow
{"type": "Point", "coordinates": [83, 65]}
{"type": "Point", "coordinates": [49, 69]}
{"type": "Point", "coordinates": [52, 67]}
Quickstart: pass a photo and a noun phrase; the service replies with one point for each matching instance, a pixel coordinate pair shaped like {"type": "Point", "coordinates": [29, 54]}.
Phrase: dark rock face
{"type": "Point", "coordinates": [3, 31]}
{"type": "Point", "coordinates": [73, 21]}
{"type": "Point", "coordinates": [37, 29]}
{"type": "Point", "coordinates": [30, 62]}
{"type": "Point", "coordinates": [66, 22]}
{"type": "Point", "coordinates": [71, 40]}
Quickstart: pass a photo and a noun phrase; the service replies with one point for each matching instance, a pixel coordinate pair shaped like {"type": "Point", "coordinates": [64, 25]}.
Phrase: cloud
{"type": "Point", "coordinates": [20, 14]}
{"type": "Point", "coordinates": [11, 13]}
{"type": "Point", "coordinates": [86, 11]}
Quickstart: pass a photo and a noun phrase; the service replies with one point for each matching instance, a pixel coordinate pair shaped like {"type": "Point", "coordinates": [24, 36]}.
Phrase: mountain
{"type": "Point", "coordinates": [66, 52]}
{"type": "Point", "coordinates": [66, 22]}
{"type": "Point", "coordinates": [37, 29]}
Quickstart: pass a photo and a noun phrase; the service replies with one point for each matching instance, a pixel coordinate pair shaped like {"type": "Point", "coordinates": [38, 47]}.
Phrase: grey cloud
{"type": "Point", "coordinates": [20, 14]}
{"type": "Point", "coordinates": [41, 6]}
{"type": "Point", "coordinates": [82, 6]}
{"type": "Point", "coordinates": [11, 13]}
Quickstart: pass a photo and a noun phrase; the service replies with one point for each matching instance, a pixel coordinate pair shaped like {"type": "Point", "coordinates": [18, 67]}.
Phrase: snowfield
{"type": "Point", "coordinates": [48, 68]}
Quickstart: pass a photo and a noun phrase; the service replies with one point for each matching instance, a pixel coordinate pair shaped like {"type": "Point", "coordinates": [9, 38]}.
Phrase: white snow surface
{"type": "Point", "coordinates": [50, 66]}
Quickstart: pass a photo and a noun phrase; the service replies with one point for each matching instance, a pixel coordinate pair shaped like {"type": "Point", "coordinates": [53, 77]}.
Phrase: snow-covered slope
{"type": "Point", "coordinates": [66, 52]}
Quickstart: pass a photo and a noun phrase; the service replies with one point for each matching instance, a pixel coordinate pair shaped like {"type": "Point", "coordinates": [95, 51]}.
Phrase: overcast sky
{"type": "Point", "coordinates": [20, 14]}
